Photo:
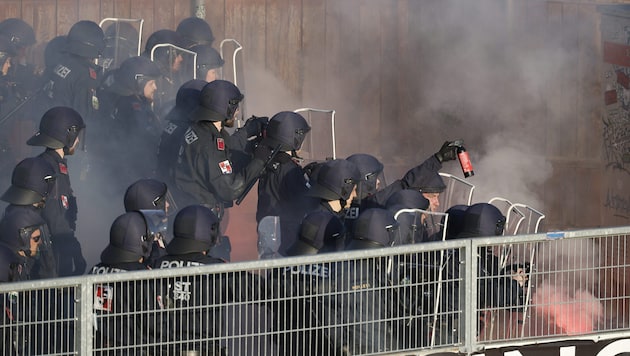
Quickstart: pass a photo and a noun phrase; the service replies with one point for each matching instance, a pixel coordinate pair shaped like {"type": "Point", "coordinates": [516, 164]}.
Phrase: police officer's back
{"type": "Point", "coordinates": [195, 230]}
{"type": "Point", "coordinates": [75, 78]}
{"type": "Point", "coordinates": [118, 306]}
{"type": "Point", "coordinates": [59, 131]}
{"type": "Point", "coordinates": [282, 188]}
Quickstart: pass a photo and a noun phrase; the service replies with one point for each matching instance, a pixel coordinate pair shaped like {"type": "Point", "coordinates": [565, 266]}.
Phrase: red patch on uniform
{"type": "Point", "coordinates": [136, 106]}
{"type": "Point", "coordinates": [64, 202]}
{"type": "Point", "coordinates": [226, 167]}
{"type": "Point", "coordinates": [220, 144]}
{"type": "Point", "coordinates": [63, 168]}
{"type": "Point", "coordinates": [93, 74]}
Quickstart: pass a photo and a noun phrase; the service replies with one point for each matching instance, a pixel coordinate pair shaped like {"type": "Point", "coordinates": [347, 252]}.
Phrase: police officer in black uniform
{"type": "Point", "coordinates": [23, 231]}
{"type": "Point", "coordinates": [118, 306]}
{"type": "Point", "coordinates": [75, 78]}
{"type": "Point", "coordinates": [149, 194]}
{"type": "Point", "coordinates": [7, 102]}
{"type": "Point", "coordinates": [59, 131]}
{"type": "Point", "coordinates": [205, 172]}
{"type": "Point", "coordinates": [282, 188]}
{"type": "Point", "coordinates": [195, 230]}
{"type": "Point", "coordinates": [175, 124]}
{"type": "Point", "coordinates": [160, 47]}
{"type": "Point", "coordinates": [133, 120]}
{"type": "Point", "coordinates": [121, 42]}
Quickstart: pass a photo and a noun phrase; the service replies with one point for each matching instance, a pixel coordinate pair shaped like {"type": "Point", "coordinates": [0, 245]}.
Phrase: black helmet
{"type": "Point", "coordinates": [7, 49]}
{"type": "Point", "coordinates": [195, 31]}
{"type": "Point", "coordinates": [370, 168]}
{"type": "Point", "coordinates": [455, 223]}
{"type": "Point", "coordinates": [163, 55]}
{"type": "Point", "coordinates": [54, 51]}
{"type": "Point", "coordinates": [374, 228]}
{"type": "Point", "coordinates": [59, 128]}
{"type": "Point", "coordinates": [218, 102]}
{"type": "Point", "coordinates": [85, 39]}
{"type": "Point", "coordinates": [18, 31]}
{"type": "Point", "coordinates": [482, 220]}
{"type": "Point", "coordinates": [9, 265]}
{"type": "Point", "coordinates": [335, 180]}
{"type": "Point", "coordinates": [207, 58]}
{"type": "Point", "coordinates": [406, 199]}
{"type": "Point", "coordinates": [189, 94]}
{"type": "Point", "coordinates": [134, 73]}
{"type": "Point", "coordinates": [32, 179]}
{"type": "Point", "coordinates": [195, 229]}
{"type": "Point", "coordinates": [17, 227]}
{"type": "Point", "coordinates": [287, 129]}
{"type": "Point", "coordinates": [129, 239]}
{"type": "Point", "coordinates": [319, 231]}
{"type": "Point", "coordinates": [121, 42]}
{"type": "Point", "coordinates": [146, 194]}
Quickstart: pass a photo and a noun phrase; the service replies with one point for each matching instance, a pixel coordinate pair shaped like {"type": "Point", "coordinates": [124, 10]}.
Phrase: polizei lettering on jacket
{"type": "Point", "coordinates": [311, 270]}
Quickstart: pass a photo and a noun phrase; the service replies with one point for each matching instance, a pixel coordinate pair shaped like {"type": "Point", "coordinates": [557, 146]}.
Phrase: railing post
{"type": "Point", "coordinates": [85, 317]}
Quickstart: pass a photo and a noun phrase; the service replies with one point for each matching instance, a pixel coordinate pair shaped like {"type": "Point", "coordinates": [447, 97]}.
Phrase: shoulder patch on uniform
{"type": "Point", "coordinates": [191, 136]}
{"type": "Point", "coordinates": [93, 74]}
{"type": "Point", "coordinates": [226, 167]}
{"type": "Point", "coordinates": [63, 169]}
{"type": "Point", "coordinates": [62, 71]}
{"type": "Point", "coordinates": [170, 128]}
{"type": "Point", "coordinates": [220, 144]}
{"type": "Point", "coordinates": [103, 298]}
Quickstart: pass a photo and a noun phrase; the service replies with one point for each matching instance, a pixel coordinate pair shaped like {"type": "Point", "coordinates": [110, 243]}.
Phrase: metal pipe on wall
{"type": "Point", "coordinates": [199, 8]}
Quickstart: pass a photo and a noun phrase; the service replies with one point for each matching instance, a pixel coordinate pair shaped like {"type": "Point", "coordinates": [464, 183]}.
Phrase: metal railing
{"type": "Point", "coordinates": [451, 296]}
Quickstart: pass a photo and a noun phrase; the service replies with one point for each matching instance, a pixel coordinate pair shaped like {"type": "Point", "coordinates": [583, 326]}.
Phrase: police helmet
{"type": "Point", "coordinates": [319, 232]}
{"type": "Point", "coordinates": [195, 31]}
{"type": "Point", "coordinates": [85, 39]}
{"type": "Point", "coordinates": [9, 265]}
{"type": "Point", "coordinates": [481, 220]}
{"type": "Point", "coordinates": [146, 193]}
{"type": "Point", "coordinates": [134, 73]}
{"type": "Point", "coordinates": [370, 168]}
{"type": "Point", "coordinates": [407, 199]}
{"type": "Point", "coordinates": [163, 55]}
{"type": "Point", "coordinates": [7, 49]}
{"type": "Point", "coordinates": [188, 95]}
{"type": "Point", "coordinates": [374, 228]}
{"type": "Point", "coordinates": [219, 101]}
{"type": "Point", "coordinates": [54, 51]}
{"type": "Point", "coordinates": [32, 179]}
{"type": "Point", "coordinates": [207, 58]}
{"type": "Point", "coordinates": [18, 225]}
{"type": "Point", "coordinates": [59, 128]}
{"type": "Point", "coordinates": [121, 42]}
{"type": "Point", "coordinates": [287, 129]}
{"type": "Point", "coordinates": [335, 180]}
{"type": "Point", "coordinates": [455, 223]}
{"type": "Point", "coordinates": [195, 229]}
{"type": "Point", "coordinates": [18, 31]}
{"type": "Point", "coordinates": [129, 239]}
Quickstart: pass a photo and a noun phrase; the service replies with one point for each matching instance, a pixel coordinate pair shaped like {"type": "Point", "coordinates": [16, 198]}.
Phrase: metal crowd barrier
{"type": "Point", "coordinates": [453, 296]}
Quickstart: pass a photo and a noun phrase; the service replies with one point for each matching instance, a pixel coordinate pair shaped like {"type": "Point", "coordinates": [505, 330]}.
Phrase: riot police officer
{"type": "Point", "coordinates": [195, 230]}
{"type": "Point", "coordinates": [59, 130]}
{"type": "Point", "coordinates": [176, 122]}
{"type": "Point", "coordinates": [118, 306]}
{"type": "Point", "coordinates": [335, 185]}
{"type": "Point", "coordinates": [121, 42]}
{"type": "Point", "coordinates": [149, 194]}
{"type": "Point", "coordinates": [23, 231]}
{"type": "Point", "coordinates": [282, 187]}
{"type": "Point", "coordinates": [205, 173]}
{"type": "Point", "coordinates": [162, 48]}
{"type": "Point", "coordinates": [75, 78]}
{"type": "Point", "coordinates": [209, 63]}
{"type": "Point", "coordinates": [133, 120]}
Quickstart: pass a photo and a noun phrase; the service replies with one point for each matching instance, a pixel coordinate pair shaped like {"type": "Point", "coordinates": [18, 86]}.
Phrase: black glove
{"type": "Point", "coordinates": [262, 152]}
{"type": "Point", "coordinates": [254, 126]}
{"type": "Point", "coordinates": [448, 151]}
